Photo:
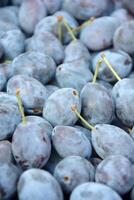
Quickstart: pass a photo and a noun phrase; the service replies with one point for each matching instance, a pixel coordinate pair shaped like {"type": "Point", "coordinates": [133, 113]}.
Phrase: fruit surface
{"type": "Point", "coordinates": [66, 99]}
{"type": "Point", "coordinates": [37, 184]}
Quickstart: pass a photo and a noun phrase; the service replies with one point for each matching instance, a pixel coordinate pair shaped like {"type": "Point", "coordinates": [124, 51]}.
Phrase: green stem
{"type": "Point", "coordinates": [74, 109]}
{"type": "Point", "coordinates": [96, 70]}
{"type": "Point", "coordinates": [20, 106]}
{"type": "Point", "coordinates": [129, 129]}
{"type": "Point", "coordinates": [110, 67]}
{"type": "Point", "coordinates": [84, 24]}
{"type": "Point", "coordinates": [7, 62]}
{"type": "Point", "coordinates": [69, 30]}
{"type": "Point", "coordinates": [60, 18]}
{"type": "Point", "coordinates": [60, 31]}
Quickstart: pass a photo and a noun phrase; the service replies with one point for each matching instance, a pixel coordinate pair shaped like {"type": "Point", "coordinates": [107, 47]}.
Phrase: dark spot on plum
{"type": "Point", "coordinates": [127, 62]}
{"type": "Point", "coordinates": [107, 73]}
{"type": "Point", "coordinates": [3, 110]}
{"type": "Point", "coordinates": [66, 178]}
{"type": "Point", "coordinates": [125, 178]}
{"type": "Point", "coordinates": [40, 159]}
{"type": "Point", "coordinates": [117, 95]}
{"type": "Point", "coordinates": [75, 93]}
{"type": "Point", "coordinates": [23, 163]}
{"type": "Point", "coordinates": [17, 157]}
{"type": "Point", "coordinates": [36, 110]}
{"type": "Point", "coordinates": [44, 140]}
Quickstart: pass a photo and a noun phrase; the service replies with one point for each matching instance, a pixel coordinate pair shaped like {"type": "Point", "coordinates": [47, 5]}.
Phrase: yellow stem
{"type": "Point", "coordinates": [74, 109]}
{"type": "Point", "coordinates": [97, 70]}
{"type": "Point", "coordinates": [60, 18]}
{"type": "Point", "coordinates": [60, 31]}
{"type": "Point", "coordinates": [110, 67]}
{"type": "Point", "coordinates": [7, 62]}
{"type": "Point", "coordinates": [129, 129]}
{"type": "Point", "coordinates": [83, 25]}
{"type": "Point", "coordinates": [69, 30]}
{"type": "Point", "coordinates": [20, 106]}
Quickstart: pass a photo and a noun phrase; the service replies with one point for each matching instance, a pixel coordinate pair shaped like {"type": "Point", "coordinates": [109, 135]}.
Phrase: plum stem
{"type": "Point", "coordinates": [60, 31]}
{"type": "Point", "coordinates": [69, 30]}
{"type": "Point", "coordinates": [60, 18]}
{"type": "Point", "coordinates": [74, 109]}
{"type": "Point", "coordinates": [129, 129]}
{"type": "Point", "coordinates": [20, 106]}
{"type": "Point", "coordinates": [110, 67]}
{"type": "Point", "coordinates": [96, 70]}
{"type": "Point", "coordinates": [7, 62]}
{"type": "Point", "coordinates": [88, 22]}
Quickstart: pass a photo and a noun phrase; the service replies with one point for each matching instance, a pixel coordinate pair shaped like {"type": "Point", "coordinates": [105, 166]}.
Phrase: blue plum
{"type": "Point", "coordinates": [122, 15]}
{"type": "Point", "coordinates": [35, 10]}
{"type": "Point", "coordinates": [32, 92]}
{"type": "Point", "coordinates": [120, 61]}
{"type": "Point", "coordinates": [38, 184]}
{"type": "Point", "coordinates": [9, 175]}
{"type": "Point", "coordinates": [9, 118]}
{"type": "Point", "coordinates": [97, 38]}
{"type": "Point", "coordinates": [117, 173]}
{"type": "Point", "coordinates": [9, 14]}
{"type": "Point", "coordinates": [76, 50]}
{"type": "Point", "coordinates": [106, 84]}
{"type": "Point", "coordinates": [83, 10]}
{"type": "Point", "coordinates": [71, 21]}
{"type": "Point", "coordinates": [124, 103]}
{"type": "Point", "coordinates": [51, 24]}
{"type": "Point", "coordinates": [31, 145]}
{"type": "Point", "coordinates": [94, 191]}
{"type": "Point", "coordinates": [36, 65]}
{"type": "Point", "coordinates": [47, 43]}
{"type": "Point", "coordinates": [57, 108]}
{"type": "Point", "coordinates": [73, 171]}
{"type": "Point", "coordinates": [52, 5]}
{"type": "Point", "coordinates": [39, 120]}
{"type": "Point", "coordinates": [69, 141]}
{"type": "Point", "coordinates": [73, 74]}
{"type": "Point", "coordinates": [6, 152]}
{"type": "Point", "coordinates": [129, 4]}
{"type": "Point", "coordinates": [97, 104]}
{"type": "Point", "coordinates": [13, 42]}
{"type": "Point", "coordinates": [85, 131]}
{"type": "Point", "coordinates": [120, 40]}
{"type": "Point", "coordinates": [111, 140]}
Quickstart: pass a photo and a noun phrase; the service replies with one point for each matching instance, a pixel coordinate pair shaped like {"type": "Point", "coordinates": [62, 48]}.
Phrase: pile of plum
{"type": "Point", "coordinates": [66, 100]}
